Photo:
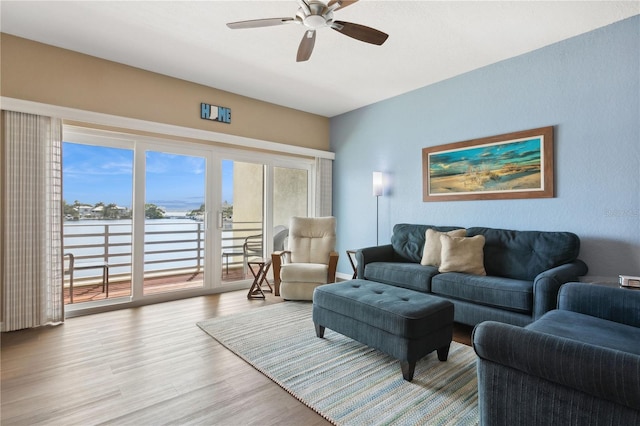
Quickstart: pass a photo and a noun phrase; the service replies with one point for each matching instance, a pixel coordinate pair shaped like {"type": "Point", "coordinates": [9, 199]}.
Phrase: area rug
{"type": "Point", "coordinates": [345, 381]}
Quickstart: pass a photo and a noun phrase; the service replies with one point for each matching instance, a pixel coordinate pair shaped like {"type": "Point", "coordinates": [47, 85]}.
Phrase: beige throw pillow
{"type": "Point", "coordinates": [433, 247]}
{"type": "Point", "coordinates": [462, 254]}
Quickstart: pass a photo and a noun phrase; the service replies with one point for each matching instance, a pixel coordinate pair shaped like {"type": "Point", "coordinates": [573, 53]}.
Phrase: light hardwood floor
{"type": "Point", "coordinates": [143, 366]}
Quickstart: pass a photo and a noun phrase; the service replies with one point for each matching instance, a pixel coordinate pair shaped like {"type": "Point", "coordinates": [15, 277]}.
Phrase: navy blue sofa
{"type": "Point", "coordinates": [577, 365]}
{"type": "Point", "coordinates": [525, 270]}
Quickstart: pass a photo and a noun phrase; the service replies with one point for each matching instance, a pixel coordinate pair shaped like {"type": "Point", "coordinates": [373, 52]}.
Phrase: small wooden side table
{"type": "Point", "coordinates": [351, 255]}
{"type": "Point", "coordinates": [259, 268]}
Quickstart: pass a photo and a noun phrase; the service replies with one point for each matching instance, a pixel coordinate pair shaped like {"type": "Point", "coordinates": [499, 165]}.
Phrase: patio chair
{"type": "Point", "coordinates": [72, 266]}
{"type": "Point", "coordinates": [252, 246]}
{"type": "Point", "coordinates": [280, 234]}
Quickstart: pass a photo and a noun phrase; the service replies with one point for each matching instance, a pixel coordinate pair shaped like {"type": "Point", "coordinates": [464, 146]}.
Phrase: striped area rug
{"type": "Point", "coordinates": [345, 381]}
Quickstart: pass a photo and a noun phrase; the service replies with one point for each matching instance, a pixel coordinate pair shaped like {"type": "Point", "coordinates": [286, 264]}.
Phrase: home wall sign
{"type": "Point", "coordinates": [215, 113]}
{"type": "Point", "coordinates": [513, 165]}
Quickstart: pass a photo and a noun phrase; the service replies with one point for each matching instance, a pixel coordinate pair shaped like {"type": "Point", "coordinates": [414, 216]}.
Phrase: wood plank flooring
{"type": "Point", "coordinates": [149, 365]}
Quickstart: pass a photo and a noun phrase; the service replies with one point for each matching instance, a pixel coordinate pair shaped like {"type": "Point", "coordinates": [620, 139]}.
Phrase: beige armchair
{"type": "Point", "coordinates": [309, 260]}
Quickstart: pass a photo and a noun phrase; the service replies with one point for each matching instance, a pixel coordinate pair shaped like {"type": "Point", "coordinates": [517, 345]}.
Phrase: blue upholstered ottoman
{"type": "Point", "coordinates": [403, 323]}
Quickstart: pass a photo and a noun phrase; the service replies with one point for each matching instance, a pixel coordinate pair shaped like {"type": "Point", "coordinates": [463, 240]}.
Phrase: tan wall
{"type": "Point", "coordinates": [41, 73]}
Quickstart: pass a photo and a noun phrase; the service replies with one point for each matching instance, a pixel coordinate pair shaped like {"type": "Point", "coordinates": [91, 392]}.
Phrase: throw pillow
{"type": "Point", "coordinates": [433, 247]}
{"type": "Point", "coordinates": [462, 254]}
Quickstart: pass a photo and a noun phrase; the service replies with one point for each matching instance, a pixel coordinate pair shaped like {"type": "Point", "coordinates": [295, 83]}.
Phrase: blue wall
{"type": "Point", "coordinates": [587, 87]}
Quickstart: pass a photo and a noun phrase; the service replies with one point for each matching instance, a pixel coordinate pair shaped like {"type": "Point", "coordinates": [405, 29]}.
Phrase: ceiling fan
{"type": "Point", "coordinates": [315, 14]}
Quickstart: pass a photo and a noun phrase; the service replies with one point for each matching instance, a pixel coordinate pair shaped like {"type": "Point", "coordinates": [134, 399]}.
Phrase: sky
{"type": "Point", "coordinates": [93, 174]}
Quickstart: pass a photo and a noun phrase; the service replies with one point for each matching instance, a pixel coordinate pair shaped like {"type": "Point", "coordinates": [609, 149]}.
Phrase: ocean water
{"type": "Point", "coordinates": [169, 244]}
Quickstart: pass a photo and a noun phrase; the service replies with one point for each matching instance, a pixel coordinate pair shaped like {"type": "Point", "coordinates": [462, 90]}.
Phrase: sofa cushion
{"type": "Point", "coordinates": [523, 255]}
{"type": "Point", "coordinates": [401, 274]}
{"type": "Point", "coordinates": [433, 246]}
{"type": "Point", "coordinates": [588, 329]}
{"type": "Point", "coordinates": [408, 240]}
{"type": "Point", "coordinates": [462, 254]}
{"type": "Point", "coordinates": [504, 293]}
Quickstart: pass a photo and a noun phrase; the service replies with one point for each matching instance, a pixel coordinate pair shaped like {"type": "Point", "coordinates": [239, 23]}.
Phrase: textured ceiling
{"type": "Point", "coordinates": [428, 42]}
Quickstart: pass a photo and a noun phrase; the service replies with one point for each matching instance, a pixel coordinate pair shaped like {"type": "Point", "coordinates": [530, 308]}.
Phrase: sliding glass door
{"type": "Point", "coordinates": [175, 240]}
{"type": "Point", "coordinates": [97, 229]}
{"type": "Point", "coordinates": [161, 218]}
{"type": "Point", "coordinates": [248, 191]}
{"type": "Point", "coordinates": [242, 217]}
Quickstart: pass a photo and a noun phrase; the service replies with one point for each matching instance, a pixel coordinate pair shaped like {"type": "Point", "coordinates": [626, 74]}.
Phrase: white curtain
{"type": "Point", "coordinates": [324, 182]}
{"type": "Point", "coordinates": [31, 225]}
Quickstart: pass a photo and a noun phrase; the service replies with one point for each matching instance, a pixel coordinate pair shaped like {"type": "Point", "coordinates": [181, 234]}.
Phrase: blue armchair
{"type": "Point", "coordinates": [578, 364]}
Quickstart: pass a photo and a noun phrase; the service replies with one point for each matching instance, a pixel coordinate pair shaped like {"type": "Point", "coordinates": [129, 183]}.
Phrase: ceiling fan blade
{"type": "Point", "coordinates": [304, 5]}
{"type": "Point", "coordinates": [360, 32]}
{"type": "Point", "coordinates": [258, 23]}
{"type": "Point", "coordinates": [306, 46]}
{"type": "Point", "coordinates": [341, 3]}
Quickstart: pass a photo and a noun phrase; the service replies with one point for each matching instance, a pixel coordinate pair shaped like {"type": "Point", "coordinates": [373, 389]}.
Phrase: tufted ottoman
{"type": "Point", "coordinates": [403, 323]}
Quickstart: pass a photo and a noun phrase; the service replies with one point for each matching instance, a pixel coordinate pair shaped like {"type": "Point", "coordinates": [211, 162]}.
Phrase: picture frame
{"type": "Point", "coordinates": [509, 166]}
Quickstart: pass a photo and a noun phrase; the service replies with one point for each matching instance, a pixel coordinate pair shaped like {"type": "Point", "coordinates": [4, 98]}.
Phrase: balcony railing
{"type": "Point", "coordinates": [170, 247]}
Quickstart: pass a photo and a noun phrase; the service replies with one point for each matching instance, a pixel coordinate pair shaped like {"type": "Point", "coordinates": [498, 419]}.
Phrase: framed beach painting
{"type": "Point", "coordinates": [513, 165]}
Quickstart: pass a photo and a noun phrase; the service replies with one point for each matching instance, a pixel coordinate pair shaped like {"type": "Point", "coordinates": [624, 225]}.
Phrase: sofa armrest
{"type": "Point", "coordinates": [547, 285]}
{"type": "Point", "coordinates": [614, 304]}
{"type": "Point", "coordinates": [601, 372]}
{"type": "Point", "coordinates": [366, 255]}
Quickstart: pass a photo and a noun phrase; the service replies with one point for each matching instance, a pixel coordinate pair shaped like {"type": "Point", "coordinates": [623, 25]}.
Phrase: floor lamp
{"type": "Point", "coordinates": [378, 186]}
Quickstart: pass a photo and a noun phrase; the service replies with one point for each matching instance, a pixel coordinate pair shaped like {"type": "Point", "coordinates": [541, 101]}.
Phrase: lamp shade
{"type": "Point", "coordinates": [378, 184]}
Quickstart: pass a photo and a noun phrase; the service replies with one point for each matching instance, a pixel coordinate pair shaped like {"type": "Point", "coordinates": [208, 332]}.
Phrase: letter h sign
{"type": "Point", "coordinates": [215, 113]}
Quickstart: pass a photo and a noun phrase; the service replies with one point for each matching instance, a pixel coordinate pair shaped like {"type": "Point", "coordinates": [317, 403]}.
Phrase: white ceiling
{"type": "Point", "coordinates": [428, 42]}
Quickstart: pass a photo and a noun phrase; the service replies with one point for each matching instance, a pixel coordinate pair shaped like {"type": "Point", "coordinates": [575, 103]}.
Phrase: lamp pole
{"type": "Point", "coordinates": [378, 186]}
{"type": "Point", "coordinates": [377, 218]}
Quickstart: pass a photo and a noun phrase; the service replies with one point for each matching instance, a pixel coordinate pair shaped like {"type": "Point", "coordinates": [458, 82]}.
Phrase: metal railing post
{"type": "Point", "coordinates": [199, 247]}
{"type": "Point", "coordinates": [106, 244]}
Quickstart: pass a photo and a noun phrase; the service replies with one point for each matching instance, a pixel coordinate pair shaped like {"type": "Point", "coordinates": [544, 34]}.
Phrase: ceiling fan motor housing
{"type": "Point", "coordinates": [317, 16]}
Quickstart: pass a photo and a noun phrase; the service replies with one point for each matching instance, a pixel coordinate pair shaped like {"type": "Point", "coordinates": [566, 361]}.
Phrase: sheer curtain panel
{"type": "Point", "coordinates": [32, 275]}
{"type": "Point", "coordinates": [324, 181]}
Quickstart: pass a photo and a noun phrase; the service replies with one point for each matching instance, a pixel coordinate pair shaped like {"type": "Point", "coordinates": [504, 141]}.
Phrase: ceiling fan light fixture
{"type": "Point", "coordinates": [314, 21]}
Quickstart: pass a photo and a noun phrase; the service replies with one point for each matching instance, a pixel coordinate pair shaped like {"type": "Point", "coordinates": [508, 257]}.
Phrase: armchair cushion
{"type": "Point", "coordinates": [312, 239]}
{"type": "Point", "coordinates": [304, 272]}
{"type": "Point", "coordinates": [588, 329]}
{"type": "Point", "coordinates": [610, 303]}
